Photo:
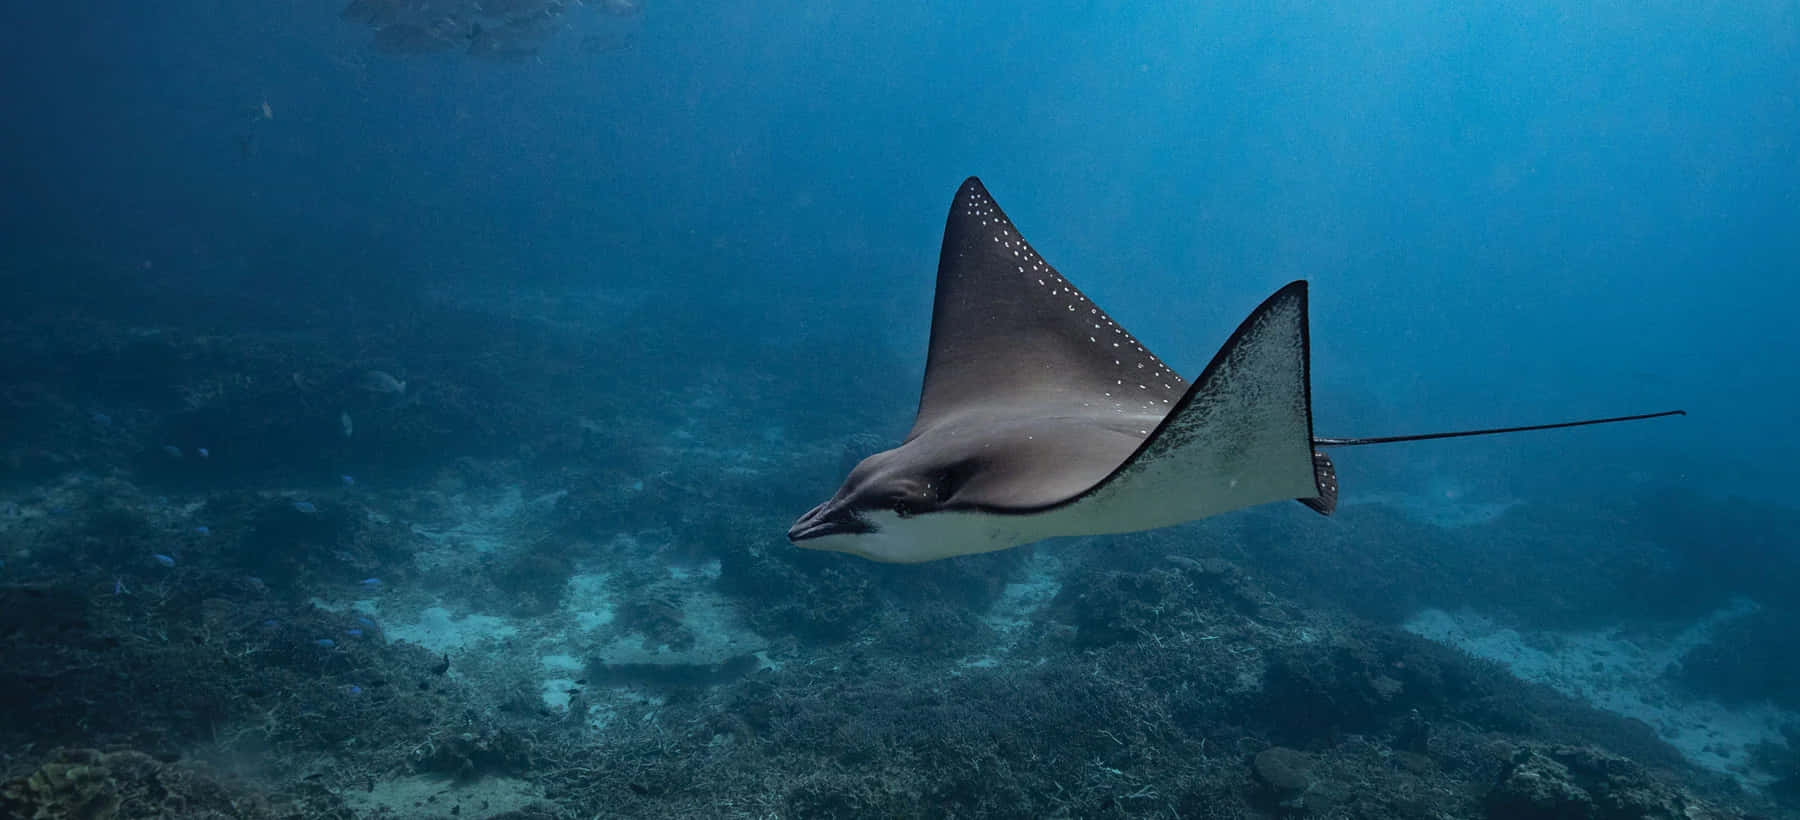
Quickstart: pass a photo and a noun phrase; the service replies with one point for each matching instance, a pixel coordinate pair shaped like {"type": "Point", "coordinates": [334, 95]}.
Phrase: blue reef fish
{"type": "Point", "coordinates": [204, 453]}
{"type": "Point", "coordinates": [353, 689]}
{"type": "Point", "coordinates": [353, 632]}
{"type": "Point", "coordinates": [163, 559]}
{"type": "Point", "coordinates": [326, 642]}
{"type": "Point", "coordinates": [370, 582]}
{"type": "Point", "coordinates": [119, 587]}
{"type": "Point", "coordinates": [172, 450]}
{"type": "Point", "coordinates": [305, 507]}
{"type": "Point", "coordinates": [101, 419]}
{"type": "Point", "coordinates": [365, 622]}
{"type": "Point", "coordinates": [349, 481]}
{"type": "Point", "coordinates": [271, 623]}
{"type": "Point", "coordinates": [203, 530]}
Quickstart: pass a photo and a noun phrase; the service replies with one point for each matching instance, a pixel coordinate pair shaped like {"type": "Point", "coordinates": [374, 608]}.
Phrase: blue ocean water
{"type": "Point", "coordinates": [654, 275]}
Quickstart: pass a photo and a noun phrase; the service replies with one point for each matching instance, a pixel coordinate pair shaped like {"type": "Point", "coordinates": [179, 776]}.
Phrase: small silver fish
{"type": "Point", "coordinates": [378, 381]}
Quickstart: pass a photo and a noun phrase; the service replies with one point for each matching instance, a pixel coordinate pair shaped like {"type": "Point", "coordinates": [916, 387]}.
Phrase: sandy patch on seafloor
{"type": "Point", "coordinates": [424, 796]}
{"type": "Point", "coordinates": [1625, 675]}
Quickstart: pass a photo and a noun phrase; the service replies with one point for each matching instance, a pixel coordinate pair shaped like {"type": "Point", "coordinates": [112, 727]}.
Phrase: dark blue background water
{"type": "Point", "coordinates": [1510, 214]}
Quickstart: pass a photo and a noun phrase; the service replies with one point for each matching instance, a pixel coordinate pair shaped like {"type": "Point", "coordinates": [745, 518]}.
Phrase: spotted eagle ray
{"type": "Point", "coordinates": [1041, 417]}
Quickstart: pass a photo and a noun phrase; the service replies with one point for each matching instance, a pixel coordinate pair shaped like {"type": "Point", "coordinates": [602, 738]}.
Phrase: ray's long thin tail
{"type": "Point", "coordinates": [1357, 442]}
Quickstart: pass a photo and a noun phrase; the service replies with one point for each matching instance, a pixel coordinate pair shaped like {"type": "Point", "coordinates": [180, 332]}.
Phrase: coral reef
{"type": "Point", "coordinates": [1751, 659]}
{"type": "Point", "coordinates": [511, 591]}
{"type": "Point", "coordinates": [85, 784]}
{"type": "Point", "coordinates": [1576, 783]}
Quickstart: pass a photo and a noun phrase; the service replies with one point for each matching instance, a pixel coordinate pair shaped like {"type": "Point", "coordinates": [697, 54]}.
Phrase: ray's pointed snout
{"type": "Point", "coordinates": [826, 519]}
{"type": "Point", "coordinates": [806, 524]}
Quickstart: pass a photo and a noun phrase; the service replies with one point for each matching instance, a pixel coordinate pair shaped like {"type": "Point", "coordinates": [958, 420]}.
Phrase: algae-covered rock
{"type": "Point", "coordinates": [85, 784]}
{"type": "Point", "coordinates": [1287, 771]}
{"type": "Point", "coordinates": [1535, 786]}
{"type": "Point", "coordinates": [77, 786]}
{"type": "Point", "coordinates": [1584, 783]}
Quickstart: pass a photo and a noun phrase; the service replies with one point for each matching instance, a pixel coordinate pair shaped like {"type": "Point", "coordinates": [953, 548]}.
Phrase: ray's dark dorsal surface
{"type": "Point", "coordinates": [1006, 326]}
{"type": "Point", "coordinates": [1041, 416]}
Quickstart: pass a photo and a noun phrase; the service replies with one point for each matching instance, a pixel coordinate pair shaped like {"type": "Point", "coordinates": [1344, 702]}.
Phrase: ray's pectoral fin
{"type": "Point", "coordinates": [1240, 436]}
